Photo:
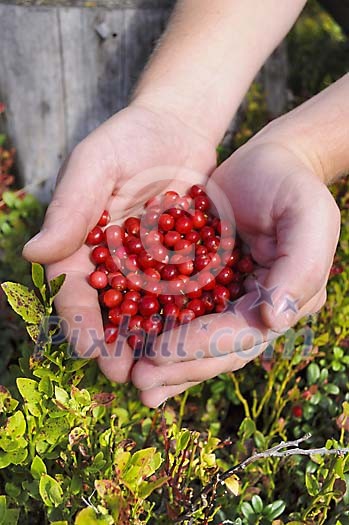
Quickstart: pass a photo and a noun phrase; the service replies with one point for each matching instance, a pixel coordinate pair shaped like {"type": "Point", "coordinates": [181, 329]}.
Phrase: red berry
{"type": "Point", "coordinates": [136, 341]}
{"type": "Point", "coordinates": [193, 290]}
{"type": "Point", "coordinates": [115, 236]}
{"type": "Point", "coordinates": [245, 265]}
{"type": "Point", "coordinates": [197, 306]}
{"type": "Point", "coordinates": [152, 324]}
{"type": "Point", "coordinates": [135, 322]}
{"type": "Point", "coordinates": [98, 280]}
{"type": "Point", "coordinates": [132, 295]}
{"type": "Point", "coordinates": [207, 280]}
{"type": "Point", "coordinates": [171, 238]}
{"type": "Point", "coordinates": [112, 298]}
{"type": "Point", "coordinates": [185, 316]}
{"type": "Point", "coordinates": [199, 219]}
{"type": "Point", "coordinates": [186, 267]}
{"type": "Point", "coordinates": [135, 281]}
{"type": "Point", "coordinates": [235, 290]}
{"type": "Point", "coordinates": [165, 299]}
{"type": "Point", "coordinates": [119, 282]}
{"type": "Point", "coordinates": [148, 306]}
{"type": "Point", "coordinates": [152, 274]}
{"type": "Point", "coordinates": [208, 302]}
{"type": "Point", "coordinates": [104, 218]}
{"type": "Point", "coordinates": [220, 294]}
{"type": "Point", "coordinates": [129, 307]}
{"type": "Point", "coordinates": [197, 190]}
{"type": "Point", "coordinates": [192, 236]}
{"type": "Point", "coordinates": [207, 232]}
{"type": "Point", "coordinates": [112, 263]}
{"type": "Point", "coordinates": [225, 276]}
{"type": "Point", "coordinates": [133, 245]}
{"type": "Point", "coordinates": [110, 333]}
{"type": "Point", "coordinates": [166, 222]}
{"type": "Point", "coordinates": [233, 258]}
{"type": "Point", "coordinates": [169, 272]}
{"type": "Point", "coordinates": [202, 202]}
{"type": "Point", "coordinates": [99, 254]}
{"type": "Point", "coordinates": [171, 310]}
{"type": "Point", "coordinates": [132, 226]}
{"type": "Point", "coordinates": [201, 262]}
{"type": "Point", "coordinates": [96, 236]}
{"type": "Point", "coordinates": [184, 224]}
{"type": "Point", "coordinates": [297, 411]}
{"type": "Point", "coordinates": [115, 315]}
{"type": "Point", "coordinates": [212, 244]}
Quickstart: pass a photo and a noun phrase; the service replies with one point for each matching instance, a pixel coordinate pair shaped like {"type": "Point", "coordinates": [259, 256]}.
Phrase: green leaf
{"type": "Point", "coordinates": [28, 388]}
{"type": "Point", "coordinates": [183, 439]}
{"type": "Point", "coordinates": [54, 430]}
{"type": "Point", "coordinates": [7, 403]}
{"type": "Point", "coordinates": [33, 331]}
{"type": "Point", "coordinates": [247, 510]}
{"type": "Point", "coordinates": [313, 373]}
{"type": "Point", "coordinates": [275, 509]}
{"type": "Point", "coordinates": [312, 484]}
{"type": "Point", "coordinates": [37, 468]}
{"type": "Point", "coordinates": [50, 491]}
{"type": "Point", "coordinates": [257, 504]}
{"type": "Point", "coordinates": [3, 510]}
{"type": "Point", "coordinates": [89, 517]}
{"type": "Point", "coordinates": [24, 302]}
{"type": "Point", "coordinates": [2, 139]}
{"type": "Point", "coordinates": [232, 483]}
{"type": "Point", "coordinates": [55, 285]}
{"type": "Point", "coordinates": [38, 277]}
{"type": "Point", "coordinates": [146, 488]}
{"type": "Point", "coordinates": [16, 457]}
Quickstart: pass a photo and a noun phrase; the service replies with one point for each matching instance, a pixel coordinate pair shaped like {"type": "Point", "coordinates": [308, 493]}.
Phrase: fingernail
{"type": "Point", "coordinates": [36, 237]}
{"type": "Point", "coordinates": [284, 314]}
{"type": "Point", "coordinates": [161, 402]}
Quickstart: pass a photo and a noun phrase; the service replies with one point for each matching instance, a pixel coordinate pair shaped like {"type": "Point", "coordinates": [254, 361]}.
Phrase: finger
{"type": "Point", "coordinates": [148, 376]}
{"type": "Point", "coordinates": [82, 192]}
{"type": "Point", "coordinates": [155, 397]}
{"type": "Point", "coordinates": [77, 303]}
{"type": "Point", "coordinates": [307, 238]}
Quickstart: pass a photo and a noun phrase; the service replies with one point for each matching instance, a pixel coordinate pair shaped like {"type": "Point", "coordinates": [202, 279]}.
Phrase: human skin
{"type": "Point", "coordinates": [179, 112]}
{"type": "Point", "coordinates": [276, 184]}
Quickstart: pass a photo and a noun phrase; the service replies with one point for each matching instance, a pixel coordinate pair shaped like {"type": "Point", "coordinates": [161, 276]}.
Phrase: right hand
{"type": "Point", "coordinates": [92, 179]}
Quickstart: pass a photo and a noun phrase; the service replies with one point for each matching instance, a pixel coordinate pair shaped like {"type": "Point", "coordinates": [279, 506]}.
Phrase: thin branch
{"type": "Point", "coordinates": [282, 450]}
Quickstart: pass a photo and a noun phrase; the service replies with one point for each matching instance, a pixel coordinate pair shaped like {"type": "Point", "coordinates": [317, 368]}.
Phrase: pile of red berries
{"type": "Point", "coordinates": [176, 262]}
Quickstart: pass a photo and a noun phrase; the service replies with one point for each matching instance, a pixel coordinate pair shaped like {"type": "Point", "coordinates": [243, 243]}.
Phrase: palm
{"type": "Point", "coordinates": [111, 170]}
{"type": "Point", "coordinates": [290, 222]}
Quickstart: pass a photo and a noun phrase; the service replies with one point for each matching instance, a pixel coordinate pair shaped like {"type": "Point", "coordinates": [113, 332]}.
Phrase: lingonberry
{"type": "Point", "coordinates": [114, 236]}
{"type": "Point", "coordinates": [185, 316]}
{"type": "Point", "coordinates": [225, 276]}
{"type": "Point", "coordinates": [197, 306]}
{"type": "Point", "coordinates": [166, 222]}
{"type": "Point", "coordinates": [104, 218]}
{"type": "Point", "coordinates": [184, 224]}
{"type": "Point", "coordinates": [132, 226]}
{"type": "Point", "coordinates": [129, 307]}
{"type": "Point", "coordinates": [179, 262]}
{"type": "Point", "coordinates": [110, 333]}
{"type": "Point", "coordinates": [95, 236]}
{"type": "Point", "coordinates": [297, 411]}
{"type": "Point", "coordinates": [245, 265]}
{"type": "Point", "coordinates": [220, 294]}
{"type": "Point", "coordinates": [148, 306]}
{"type": "Point", "coordinates": [98, 280]}
{"type": "Point", "coordinates": [112, 298]}
{"type": "Point", "coordinates": [119, 282]}
{"type": "Point", "coordinates": [99, 254]}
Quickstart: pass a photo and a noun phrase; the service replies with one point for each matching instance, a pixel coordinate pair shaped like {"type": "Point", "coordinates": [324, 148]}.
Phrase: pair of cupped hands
{"type": "Point", "coordinates": [283, 211]}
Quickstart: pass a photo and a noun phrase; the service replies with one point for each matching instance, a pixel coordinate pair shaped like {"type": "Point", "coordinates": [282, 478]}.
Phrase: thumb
{"type": "Point", "coordinates": [306, 245]}
{"type": "Point", "coordinates": [78, 201]}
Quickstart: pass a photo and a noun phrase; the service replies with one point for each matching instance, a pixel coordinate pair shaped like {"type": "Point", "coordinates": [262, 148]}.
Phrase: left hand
{"type": "Point", "coordinates": [291, 223]}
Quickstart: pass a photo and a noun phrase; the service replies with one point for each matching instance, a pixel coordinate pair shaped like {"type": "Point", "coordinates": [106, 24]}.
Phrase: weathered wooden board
{"type": "Point", "coordinates": [60, 78]}
{"type": "Point", "coordinates": [66, 68]}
